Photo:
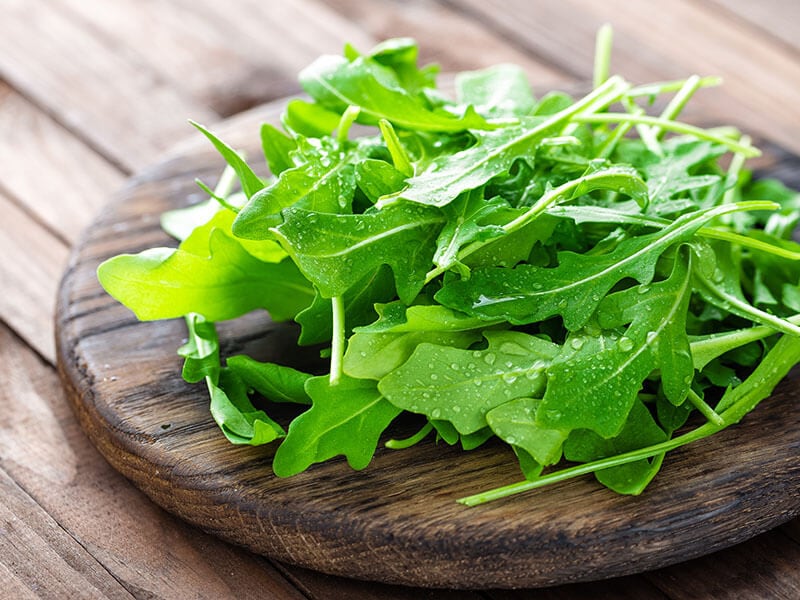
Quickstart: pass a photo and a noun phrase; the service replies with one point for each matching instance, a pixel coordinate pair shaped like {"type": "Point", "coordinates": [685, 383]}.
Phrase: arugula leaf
{"type": "Point", "coordinates": [500, 91]}
{"type": "Point", "coordinates": [359, 301]}
{"type": "Point", "coordinates": [337, 83]}
{"type": "Point", "coordinates": [309, 119]}
{"type": "Point", "coordinates": [595, 380]}
{"type": "Point", "coordinates": [238, 419]}
{"type": "Point", "coordinates": [575, 287]}
{"type": "Point", "coordinates": [640, 431]}
{"type": "Point", "coordinates": [278, 148]}
{"type": "Point", "coordinates": [324, 182]}
{"type": "Point", "coordinates": [336, 251]}
{"type": "Point", "coordinates": [251, 182]}
{"type": "Point", "coordinates": [277, 383]}
{"type": "Point", "coordinates": [347, 418]}
{"type": "Point", "coordinates": [461, 386]}
{"type": "Point", "coordinates": [467, 222]}
{"type": "Point", "coordinates": [201, 350]}
{"type": "Point", "coordinates": [375, 355]}
{"type": "Point", "coordinates": [515, 423]}
{"type": "Point", "coordinates": [164, 283]}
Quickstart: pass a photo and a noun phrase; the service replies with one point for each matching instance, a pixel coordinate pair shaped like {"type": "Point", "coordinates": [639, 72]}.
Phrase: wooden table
{"type": "Point", "coordinates": [92, 92]}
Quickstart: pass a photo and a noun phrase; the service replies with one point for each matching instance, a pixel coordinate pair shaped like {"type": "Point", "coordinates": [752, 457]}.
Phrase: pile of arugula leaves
{"type": "Point", "coordinates": [575, 277]}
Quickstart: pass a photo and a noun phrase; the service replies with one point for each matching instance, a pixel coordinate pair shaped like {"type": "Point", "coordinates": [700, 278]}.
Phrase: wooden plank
{"type": "Point", "coordinates": [283, 38]}
{"type": "Point", "coordinates": [775, 18]}
{"type": "Point", "coordinates": [765, 567]}
{"type": "Point", "coordinates": [48, 171]}
{"type": "Point", "coordinates": [539, 30]}
{"type": "Point", "coordinates": [149, 552]}
{"type": "Point", "coordinates": [634, 587]}
{"type": "Point", "coordinates": [319, 586]}
{"type": "Point", "coordinates": [435, 26]}
{"type": "Point", "coordinates": [40, 559]}
{"type": "Point", "coordinates": [92, 87]}
{"type": "Point", "coordinates": [30, 276]}
{"type": "Point", "coordinates": [191, 51]}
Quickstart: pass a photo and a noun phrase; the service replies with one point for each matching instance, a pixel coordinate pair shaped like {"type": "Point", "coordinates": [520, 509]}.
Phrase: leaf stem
{"type": "Point", "coordinates": [669, 125]}
{"type": "Point", "coordinates": [675, 106]}
{"type": "Point", "coordinates": [705, 410]}
{"type": "Point", "coordinates": [602, 54]}
{"type": "Point", "coordinates": [348, 117]}
{"type": "Point", "coordinates": [654, 89]}
{"type": "Point", "coordinates": [396, 150]}
{"type": "Point", "coordinates": [410, 441]}
{"type": "Point", "coordinates": [337, 340]}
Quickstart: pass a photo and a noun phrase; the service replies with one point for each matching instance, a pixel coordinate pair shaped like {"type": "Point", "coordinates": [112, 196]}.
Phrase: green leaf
{"type": "Point", "coordinates": [499, 91]}
{"type": "Point", "coordinates": [201, 351]}
{"type": "Point", "coordinates": [278, 148]}
{"type": "Point", "coordinates": [344, 419]}
{"type": "Point", "coordinates": [316, 321]}
{"type": "Point", "coordinates": [448, 176]}
{"type": "Point", "coordinates": [164, 283]}
{"type": "Point", "coordinates": [378, 178]}
{"type": "Point", "coordinates": [396, 317]}
{"type": "Point", "coordinates": [640, 431]}
{"type": "Point", "coordinates": [467, 222]}
{"type": "Point", "coordinates": [324, 182]}
{"type": "Point", "coordinates": [337, 83]}
{"type": "Point", "coordinates": [238, 419]}
{"type": "Point", "coordinates": [575, 287]}
{"type": "Point", "coordinates": [400, 55]}
{"type": "Point", "coordinates": [310, 120]}
{"type": "Point", "coordinates": [198, 240]}
{"type": "Point", "coordinates": [251, 183]}
{"type": "Point", "coordinates": [657, 317]}
{"type": "Point", "coordinates": [336, 251]}
{"type": "Point", "coordinates": [595, 380]}
{"type": "Point", "coordinates": [375, 355]}
{"type": "Point", "coordinates": [461, 386]}
{"type": "Point", "coordinates": [276, 383]}
{"type": "Point", "coordinates": [671, 174]}
{"type": "Point", "coordinates": [515, 423]}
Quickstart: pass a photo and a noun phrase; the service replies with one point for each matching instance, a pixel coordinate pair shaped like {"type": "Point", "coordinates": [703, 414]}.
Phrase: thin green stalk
{"type": "Point", "coordinates": [345, 122]}
{"type": "Point", "coordinates": [655, 89]}
{"type": "Point", "coordinates": [396, 150]}
{"type": "Point", "coordinates": [602, 54]}
{"type": "Point", "coordinates": [675, 106]}
{"type": "Point", "coordinates": [668, 125]}
{"type": "Point", "coordinates": [708, 347]}
{"type": "Point", "coordinates": [411, 440]}
{"type": "Point", "coordinates": [737, 163]}
{"type": "Point", "coordinates": [709, 413]}
{"type": "Point", "coordinates": [337, 340]}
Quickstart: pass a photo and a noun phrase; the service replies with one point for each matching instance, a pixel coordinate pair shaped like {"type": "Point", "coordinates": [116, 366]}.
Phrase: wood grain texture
{"type": "Point", "coordinates": [47, 562]}
{"type": "Point", "coordinates": [47, 171]}
{"type": "Point", "coordinates": [150, 553]}
{"type": "Point", "coordinates": [114, 100]}
{"type": "Point", "coordinates": [445, 36]}
{"type": "Point", "coordinates": [35, 261]}
{"type": "Point", "coordinates": [397, 520]}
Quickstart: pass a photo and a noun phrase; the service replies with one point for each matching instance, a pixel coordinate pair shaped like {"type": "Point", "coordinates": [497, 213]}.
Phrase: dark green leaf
{"type": "Point", "coordinates": [344, 419]}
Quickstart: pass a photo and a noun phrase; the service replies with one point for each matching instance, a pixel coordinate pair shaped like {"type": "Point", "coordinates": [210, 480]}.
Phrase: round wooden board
{"type": "Point", "coordinates": [396, 521]}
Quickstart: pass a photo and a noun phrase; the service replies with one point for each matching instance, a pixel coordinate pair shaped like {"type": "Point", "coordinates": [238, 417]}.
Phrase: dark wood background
{"type": "Point", "coordinates": [93, 92]}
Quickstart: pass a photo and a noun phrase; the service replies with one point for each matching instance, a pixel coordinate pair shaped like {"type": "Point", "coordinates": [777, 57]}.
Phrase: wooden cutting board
{"type": "Point", "coordinates": [397, 521]}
